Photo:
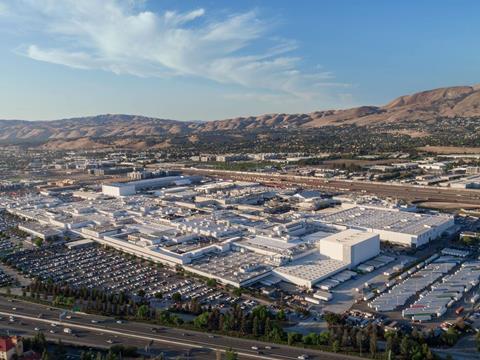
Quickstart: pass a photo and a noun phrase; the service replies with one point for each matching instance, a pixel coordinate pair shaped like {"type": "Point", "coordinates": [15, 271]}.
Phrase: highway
{"type": "Point", "coordinates": [406, 192]}
{"type": "Point", "coordinates": [102, 332]}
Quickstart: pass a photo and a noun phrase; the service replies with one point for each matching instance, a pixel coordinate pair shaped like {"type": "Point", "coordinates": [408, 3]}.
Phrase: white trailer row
{"type": "Point", "coordinates": [411, 283]}
{"type": "Point", "coordinates": [452, 288]}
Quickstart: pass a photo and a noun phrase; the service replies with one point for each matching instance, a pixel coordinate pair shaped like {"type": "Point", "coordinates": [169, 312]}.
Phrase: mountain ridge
{"type": "Point", "coordinates": [415, 111]}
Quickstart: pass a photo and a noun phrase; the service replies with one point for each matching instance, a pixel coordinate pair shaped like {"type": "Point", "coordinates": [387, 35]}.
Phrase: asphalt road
{"type": "Point", "coordinates": [105, 331]}
{"type": "Point", "coordinates": [399, 191]}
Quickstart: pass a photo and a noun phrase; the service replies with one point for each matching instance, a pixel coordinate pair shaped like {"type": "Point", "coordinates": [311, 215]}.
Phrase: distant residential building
{"type": "Point", "coordinates": [10, 347]}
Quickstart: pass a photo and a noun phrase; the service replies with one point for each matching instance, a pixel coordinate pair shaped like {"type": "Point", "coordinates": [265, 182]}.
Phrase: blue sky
{"type": "Point", "coordinates": [207, 60]}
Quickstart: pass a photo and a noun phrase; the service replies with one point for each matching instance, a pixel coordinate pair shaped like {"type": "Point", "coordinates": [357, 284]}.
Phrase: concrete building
{"type": "Point", "coordinates": [132, 187]}
{"type": "Point", "coordinates": [351, 246]}
{"type": "Point", "coordinates": [400, 227]}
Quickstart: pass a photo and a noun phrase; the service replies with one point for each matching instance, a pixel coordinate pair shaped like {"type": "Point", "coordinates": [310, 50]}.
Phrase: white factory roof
{"type": "Point", "coordinates": [348, 237]}
{"type": "Point", "coordinates": [312, 268]}
{"type": "Point", "coordinates": [389, 220]}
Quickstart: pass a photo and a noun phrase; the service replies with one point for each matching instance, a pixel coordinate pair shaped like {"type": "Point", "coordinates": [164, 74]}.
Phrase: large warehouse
{"type": "Point", "coordinates": [131, 187]}
{"type": "Point", "coordinates": [351, 246]}
{"type": "Point", "coordinates": [337, 252]}
{"type": "Point", "coordinates": [401, 227]}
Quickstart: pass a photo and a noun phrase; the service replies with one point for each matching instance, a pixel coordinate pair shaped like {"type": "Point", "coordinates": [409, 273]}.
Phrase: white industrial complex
{"type": "Point", "coordinates": [238, 233]}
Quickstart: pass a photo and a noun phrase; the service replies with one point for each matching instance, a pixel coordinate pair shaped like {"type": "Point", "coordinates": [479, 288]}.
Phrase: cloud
{"type": "Point", "coordinates": [3, 9]}
{"type": "Point", "coordinates": [125, 38]}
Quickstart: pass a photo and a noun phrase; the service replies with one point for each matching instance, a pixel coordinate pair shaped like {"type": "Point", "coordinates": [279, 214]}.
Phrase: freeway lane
{"type": "Point", "coordinates": [201, 345]}
{"type": "Point", "coordinates": [400, 191]}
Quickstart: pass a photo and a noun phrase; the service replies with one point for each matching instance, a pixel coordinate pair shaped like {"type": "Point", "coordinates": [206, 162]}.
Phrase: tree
{"type": "Point", "coordinates": [281, 315]}
{"type": "Point", "coordinates": [143, 312]}
{"type": "Point", "coordinates": [359, 340]}
{"type": "Point", "coordinates": [255, 326]}
{"type": "Point", "coordinates": [201, 320]}
{"type": "Point", "coordinates": [405, 347]}
{"type": "Point", "coordinates": [230, 354]}
{"type": "Point", "coordinates": [373, 343]}
{"type": "Point", "coordinates": [290, 339]}
{"type": "Point", "coordinates": [177, 297]}
{"type": "Point", "coordinates": [450, 337]}
{"type": "Point", "coordinates": [111, 356]}
{"type": "Point", "coordinates": [211, 283]}
{"type": "Point", "coordinates": [336, 346]}
{"type": "Point", "coordinates": [45, 355]}
{"type": "Point", "coordinates": [38, 242]}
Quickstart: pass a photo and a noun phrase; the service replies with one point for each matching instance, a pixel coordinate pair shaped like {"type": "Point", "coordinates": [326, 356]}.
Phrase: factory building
{"type": "Point", "coordinates": [335, 253]}
{"type": "Point", "coordinates": [400, 227]}
{"type": "Point", "coordinates": [132, 187]}
{"type": "Point", "coordinates": [351, 246]}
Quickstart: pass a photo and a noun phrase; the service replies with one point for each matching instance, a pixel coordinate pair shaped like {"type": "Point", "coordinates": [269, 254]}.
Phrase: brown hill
{"type": "Point", "coordinates": [103, 131]}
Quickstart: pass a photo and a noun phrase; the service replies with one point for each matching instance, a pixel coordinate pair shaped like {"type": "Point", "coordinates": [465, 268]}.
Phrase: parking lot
{"type": "Point", "coordinates": [5, 280]}
{"type": "Point", "coordinates": [113, 272]}
{"type": "Point", "coordinates": [6, 246]}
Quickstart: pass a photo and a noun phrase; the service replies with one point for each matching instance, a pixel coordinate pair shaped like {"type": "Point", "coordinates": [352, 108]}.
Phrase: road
{"type": "Point", "coordinates": [171, 341]}
{"type": "Point", "coordinates": [399, 191]}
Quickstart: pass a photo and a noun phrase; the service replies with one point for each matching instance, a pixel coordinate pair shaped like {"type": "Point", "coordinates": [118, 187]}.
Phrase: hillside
{"type": "Point", "coordinates": [418, 115]}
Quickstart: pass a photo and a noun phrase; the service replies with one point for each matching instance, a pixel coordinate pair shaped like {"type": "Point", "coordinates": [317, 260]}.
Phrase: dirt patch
{"type": "Point", "coordinates": [450, 149]}
{"type": "Point", "coordinates": [447, 206]}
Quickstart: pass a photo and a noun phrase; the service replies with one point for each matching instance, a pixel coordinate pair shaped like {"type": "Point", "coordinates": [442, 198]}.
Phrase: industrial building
{"type": "Point", "coordinates": [396, 226]}
{"type": "Point", "coordinates": [351, 246]}
{"type": "Point", "coordinates": [335, 253]}
{"type": "Point", "coordinates": [132, 187]}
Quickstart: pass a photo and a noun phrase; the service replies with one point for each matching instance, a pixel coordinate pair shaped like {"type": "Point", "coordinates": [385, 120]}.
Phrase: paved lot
{"type": "Point", "coordinates": [95, 267]}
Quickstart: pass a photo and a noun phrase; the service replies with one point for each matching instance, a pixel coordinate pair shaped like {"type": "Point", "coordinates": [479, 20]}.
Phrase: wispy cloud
{"type": "Point", "coordinates": [3, 9]}
{"type": "Point", "coordinates": [125, 38]}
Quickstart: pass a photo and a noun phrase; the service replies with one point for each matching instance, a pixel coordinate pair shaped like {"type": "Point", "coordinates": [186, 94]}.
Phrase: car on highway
{"type": "Point", "coordinates": [303, 357]}
{"type": "Point", "coordinates": [110, 341]}
{"type": "Point", "coordinates": [36, 329]}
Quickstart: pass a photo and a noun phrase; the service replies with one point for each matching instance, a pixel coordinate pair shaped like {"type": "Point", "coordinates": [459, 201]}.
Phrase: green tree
{"type": "Point", "coordinates": [211, 283]}
{"type": "Point", "coordinates": [405, 347]}
{"type": "Point", "coordinates": [45, 355]}
{"type": "Point", "coordinates": [359, 340]}
{"type": "Point", "coordinates": [111, 356]}
{"type": "Point", "coordinates": [255, 326]}
{"type": "Point", "coordinates": [373, 343]}
{"type": "Point", "coordinates": [38, 242]}
{"type": "Point", "coordinates": [143, 312]}
{"type": "Point", "coordinates": [201, 320]}
{"type": "Point", "coordinates": [177, 297]}
{"type": "Point", "coordinates": [281, 315]}
{"type": "Point", "coordinates": [231, 355]}
{"type": "Point", "coordinates": [336, 346]}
